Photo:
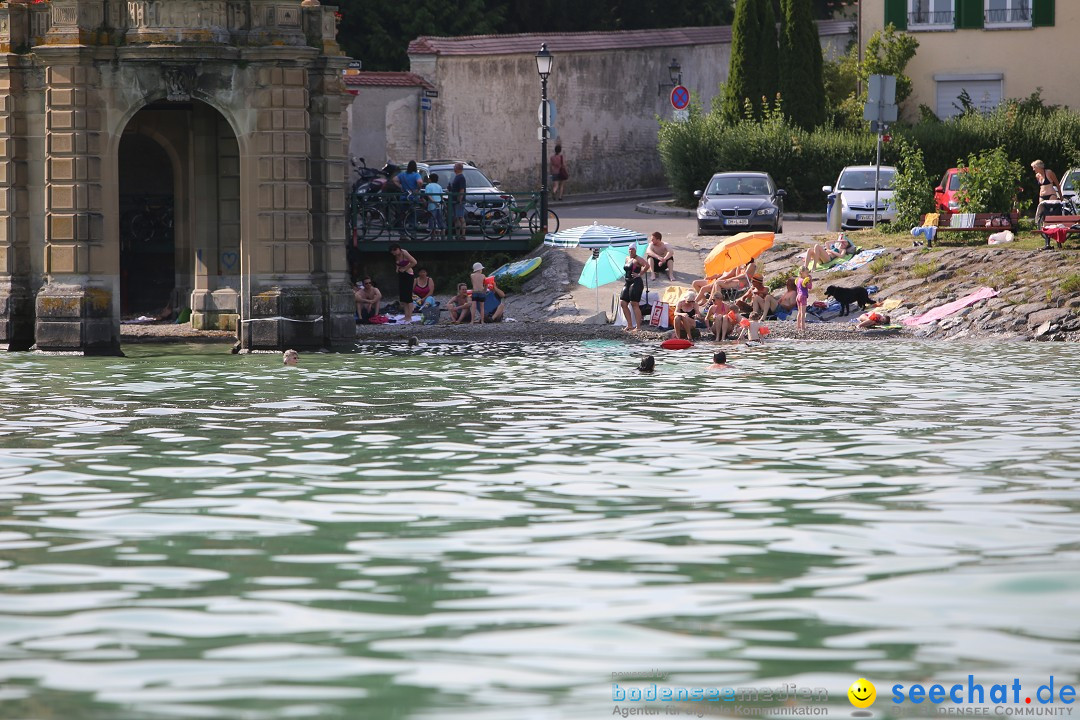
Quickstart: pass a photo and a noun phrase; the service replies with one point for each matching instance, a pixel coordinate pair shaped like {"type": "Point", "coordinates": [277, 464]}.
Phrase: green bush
{"type": "Point", "coordinates": [989, 182]}
{"type": "Point", "coordinates": [913, 193]}
{"type": "Point", "coordinates": [924, 269]}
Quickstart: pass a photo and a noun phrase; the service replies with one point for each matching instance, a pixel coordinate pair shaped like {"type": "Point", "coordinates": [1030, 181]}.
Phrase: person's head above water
{"type": "Point", "coordinates": [414, 341]}
{"type": "Point", "coordinates": [647, 364]}
{"type": "Point", "coordinates": [290, 357]}
{"type": "Point", "coordinates": [720, 358]}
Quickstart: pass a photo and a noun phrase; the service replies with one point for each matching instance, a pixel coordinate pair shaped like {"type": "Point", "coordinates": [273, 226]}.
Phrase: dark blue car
{"type": "Point", "coordinates": [735, 202]}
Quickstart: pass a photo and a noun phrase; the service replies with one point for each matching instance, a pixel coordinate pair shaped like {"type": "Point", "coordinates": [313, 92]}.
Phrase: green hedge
{"type": "Point", "coordinates": [803, 161]}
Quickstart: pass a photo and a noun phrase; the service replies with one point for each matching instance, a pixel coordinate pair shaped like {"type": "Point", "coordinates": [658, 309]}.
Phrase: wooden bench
{"type": "Point", "coordinates": [945, 218]}
{"type": "Point", "coordinates": [1069, 221]}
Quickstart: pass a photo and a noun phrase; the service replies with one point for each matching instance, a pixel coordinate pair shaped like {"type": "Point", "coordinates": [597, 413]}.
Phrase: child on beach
{"type": "Point", "coordinates": [479, 292]}
{"type": "Point", "coordinates": [803, 286]}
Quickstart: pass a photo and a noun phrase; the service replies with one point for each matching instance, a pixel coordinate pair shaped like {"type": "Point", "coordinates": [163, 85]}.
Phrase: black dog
{"type": "Point", "coordinates": [846, 296]}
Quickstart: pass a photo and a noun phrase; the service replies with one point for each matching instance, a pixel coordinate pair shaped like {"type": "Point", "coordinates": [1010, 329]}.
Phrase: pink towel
{"type": "Point", "coordinates": [952, 308]}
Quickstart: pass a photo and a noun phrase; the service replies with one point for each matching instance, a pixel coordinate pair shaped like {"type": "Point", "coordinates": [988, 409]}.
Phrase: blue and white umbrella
{"type": "Point", "coordinates": [594, 236]}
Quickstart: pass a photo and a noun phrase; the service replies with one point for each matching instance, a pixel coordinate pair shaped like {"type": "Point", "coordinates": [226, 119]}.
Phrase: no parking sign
{"type": "Point", "coordinates": [680, 97]}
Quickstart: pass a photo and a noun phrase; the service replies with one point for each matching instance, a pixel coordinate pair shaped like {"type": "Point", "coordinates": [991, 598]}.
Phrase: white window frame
{"type": "Point", "coordinates": [1011, 6]}
{"type": "Point", "coordinates": [945, 24]}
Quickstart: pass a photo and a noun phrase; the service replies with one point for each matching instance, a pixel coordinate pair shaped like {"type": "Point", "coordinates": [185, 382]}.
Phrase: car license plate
{"type": "Point", "coordinates": [865, 217]}
{"type": "Point", "coordinates": [737, 221]}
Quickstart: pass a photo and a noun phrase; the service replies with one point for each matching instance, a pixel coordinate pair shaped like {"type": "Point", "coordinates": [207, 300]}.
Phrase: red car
{"type": "Point", "coordinates": [945, 194]}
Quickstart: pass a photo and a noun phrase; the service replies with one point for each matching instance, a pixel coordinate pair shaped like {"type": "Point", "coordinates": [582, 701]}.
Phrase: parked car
{"type": "Point", "coordinates": [856, 189]}
{"type": "Point", "coordinates": [945, 194]}
{"type": "Point", "coordinates": [1070, 183]}
{"type": "Point", "coordinates": [739, 201]}
{"type": "Point", "coordinates": [482, 195]}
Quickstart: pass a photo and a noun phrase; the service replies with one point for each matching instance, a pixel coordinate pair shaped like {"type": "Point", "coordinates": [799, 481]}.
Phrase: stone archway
{"type": "Point", "coordinates": [245, 99]}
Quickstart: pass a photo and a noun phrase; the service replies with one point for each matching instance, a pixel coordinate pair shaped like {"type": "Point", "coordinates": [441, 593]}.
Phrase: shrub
{"type": "Point", "coordinates": [1071, 284]}
{"type": "Point", "coordinates": [912, 189]}
{"type": "Point", "coordinates": [778, 281]}
{"type": "Point", "coordinates": [924, 269]}
{"type": "Point", "coordinates": [880, 264]}
{"type": "Point", "coordinates": [990, 183]}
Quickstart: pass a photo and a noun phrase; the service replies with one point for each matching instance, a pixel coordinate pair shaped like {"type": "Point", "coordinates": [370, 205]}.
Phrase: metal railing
{"type": "Point", "coordinates": [931, 17]}
{"type": "Point", "coordinates": [1017, 14]}
{"type": "Point", "coordinates": [493, 216]}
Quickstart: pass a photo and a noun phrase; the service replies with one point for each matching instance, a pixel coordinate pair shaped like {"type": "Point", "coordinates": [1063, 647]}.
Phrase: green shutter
{"type": "Point", "coordinates": [1042, 13]}
{"type": "Point", "coordinates": [969, 13]}
{"type": "Point", "coordinates": [896, 13]}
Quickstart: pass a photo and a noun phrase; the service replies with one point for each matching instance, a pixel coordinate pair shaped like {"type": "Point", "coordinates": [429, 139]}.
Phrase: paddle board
{"type": "Point", "coordinates": [521, 268]}
{"type": "Point", "coordinates": [676, 344]}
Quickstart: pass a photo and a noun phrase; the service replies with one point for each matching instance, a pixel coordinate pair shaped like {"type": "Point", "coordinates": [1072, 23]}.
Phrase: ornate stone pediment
{"type": "Point", "coordinates": [179, 83]}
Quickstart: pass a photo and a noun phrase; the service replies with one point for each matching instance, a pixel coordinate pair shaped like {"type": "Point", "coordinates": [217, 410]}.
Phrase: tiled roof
{"type": "Point", "coordinates": [587, 41]}
{"type": "Point", "coordinates": [386, 79]}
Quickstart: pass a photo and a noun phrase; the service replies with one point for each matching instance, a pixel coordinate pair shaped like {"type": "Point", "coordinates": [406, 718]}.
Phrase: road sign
{"type": "Point", "coordinates": [681, 115]}
{"type": "Point", "coordinates": [550, 112]}
{"type": "Point", "coordinates": [680, 97]}
{"type": "Point", "coordinates": [551, 133]}
{"type": "Point", "coordinates": [425, 103]}
{"type": "Point", "coordinates": [880, 99]}
{"type": "Point", "coordinates": [431, 93]}
{"type": "Point", "coordinates": [355, 64]}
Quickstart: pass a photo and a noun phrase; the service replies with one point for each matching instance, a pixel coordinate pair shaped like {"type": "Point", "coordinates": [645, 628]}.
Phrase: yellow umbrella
{"type": "Point", "coordinates": [737, 250]}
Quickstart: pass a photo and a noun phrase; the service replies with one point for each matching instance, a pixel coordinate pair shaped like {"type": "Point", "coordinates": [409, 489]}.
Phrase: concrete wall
{"type": "Point", "coordinates": [1028, 58]}
{"type": "Point", "coordinates": [607, 105]}
{"type": "Point", "coordinates": [384, 124]}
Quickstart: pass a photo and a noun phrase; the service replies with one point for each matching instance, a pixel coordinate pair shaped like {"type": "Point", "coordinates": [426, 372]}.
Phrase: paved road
{"type": "Point", "coordinates": [680, 232]}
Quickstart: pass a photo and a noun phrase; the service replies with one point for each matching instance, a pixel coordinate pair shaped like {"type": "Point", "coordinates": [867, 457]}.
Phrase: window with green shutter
{"type": "Point", "coordinates": [969, 13]}
{"type": "Point", "coordinates": [896, 13]}
{"type": "Point", "coordinates": [1042, 13]}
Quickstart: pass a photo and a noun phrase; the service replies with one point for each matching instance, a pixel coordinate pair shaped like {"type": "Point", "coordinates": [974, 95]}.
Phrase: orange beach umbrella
{"type": "Point", "coordinates": [737, 250]}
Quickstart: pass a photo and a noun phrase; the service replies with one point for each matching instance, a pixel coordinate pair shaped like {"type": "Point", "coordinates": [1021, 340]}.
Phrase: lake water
{"type": "Point", "coordinates": [491, 532]}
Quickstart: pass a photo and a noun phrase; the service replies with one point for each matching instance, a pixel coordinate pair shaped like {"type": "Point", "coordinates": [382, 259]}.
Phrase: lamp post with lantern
{"type": "Point", "coordinates": [544, 61]}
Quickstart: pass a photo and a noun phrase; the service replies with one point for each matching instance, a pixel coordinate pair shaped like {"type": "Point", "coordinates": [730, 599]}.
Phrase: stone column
{"type": "Point", "coordinates": [76, 308]}
{"type": "Point", "coordinates": [16, 298]}
{"type": "Point", "coordinates": [287, 306]}
{"type": "Point", "coordinates": [328, 186]}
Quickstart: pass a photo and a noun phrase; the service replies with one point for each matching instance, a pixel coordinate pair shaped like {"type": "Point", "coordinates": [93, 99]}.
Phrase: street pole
{"type": "Point", "coordinates": [543, 156]}
{"type": "Point", "coordinates": [877, 175]}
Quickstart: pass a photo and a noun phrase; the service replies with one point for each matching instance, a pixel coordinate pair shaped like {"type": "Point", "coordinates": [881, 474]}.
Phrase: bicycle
{"type": "Point", "coordinates": [368, 222]}
{"type": "Point", "coordinates": [497, 224]}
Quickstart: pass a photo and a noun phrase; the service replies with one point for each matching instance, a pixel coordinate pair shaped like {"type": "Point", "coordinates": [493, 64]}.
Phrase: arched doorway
{"type": "Point", "coordinates": [179, 216]}
{"type": "Point", "coordinates": [147, 228]}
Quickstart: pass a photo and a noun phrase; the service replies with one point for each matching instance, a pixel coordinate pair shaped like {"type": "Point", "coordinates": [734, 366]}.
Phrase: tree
{"type": "Point", "coordinates": [752, 68]}
{"type": "Point", "coordinates": [888, 53]}
{"type": "Point", "coordinates": [801, 83]}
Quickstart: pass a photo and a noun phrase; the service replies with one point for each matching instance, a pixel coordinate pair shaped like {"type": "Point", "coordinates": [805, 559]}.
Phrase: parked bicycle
{"type": "Point", "coordinates": [499, 223]}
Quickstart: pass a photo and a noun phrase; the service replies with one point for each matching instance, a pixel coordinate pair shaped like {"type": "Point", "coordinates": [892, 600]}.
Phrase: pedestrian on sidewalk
{"type": "Point", "coordinates": [560, 173]}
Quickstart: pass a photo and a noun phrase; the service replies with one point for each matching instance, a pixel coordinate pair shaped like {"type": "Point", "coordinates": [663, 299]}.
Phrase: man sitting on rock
{"type": "Point", "coordinates": [660, 257]}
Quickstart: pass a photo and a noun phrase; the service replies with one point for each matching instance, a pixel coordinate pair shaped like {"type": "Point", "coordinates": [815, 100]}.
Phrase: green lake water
{"type": "Point", "coordinates": [487, 532]}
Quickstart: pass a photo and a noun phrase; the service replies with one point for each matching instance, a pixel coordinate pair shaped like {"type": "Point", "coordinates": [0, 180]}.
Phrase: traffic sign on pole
{"type": "Point", "coordinates": [550, 112]}
{"type": "Point", "coordinates": [681, 115]}
{"type": "Point", "coordinates": [680, 97]}
{"type": "Point", "coordinates": [551, 133]}
{"type": "Point", "coordinates": [425, 103]}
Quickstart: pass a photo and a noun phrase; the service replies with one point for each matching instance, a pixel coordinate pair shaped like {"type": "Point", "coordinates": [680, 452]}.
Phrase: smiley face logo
{"type": "Point", "coordinates": [862, 693]}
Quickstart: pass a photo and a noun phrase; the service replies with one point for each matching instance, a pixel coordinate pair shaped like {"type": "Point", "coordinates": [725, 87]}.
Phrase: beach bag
{"type": "Point", "coordinates": [661, 316]}
{"type": "Point", "coordinates": [430, 314]}
{"type": "Point", "coordinates": [378, 319]}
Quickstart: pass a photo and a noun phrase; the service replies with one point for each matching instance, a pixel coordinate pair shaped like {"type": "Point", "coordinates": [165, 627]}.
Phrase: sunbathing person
{"type": "Point", "coordinates": [787, 300]}
{"type": "Point", "coordinates": [734, 279]}
{"type": "Point", "coordinates": [721, 319]}
{"type": "Point", "coordinates": [686, 314]}
{"type": "Point", "coordinates": [873, 319]}
{"type": "Point", "coordinates": [756, 297]}
{"type": "Point", "coordinates": [821, 254]}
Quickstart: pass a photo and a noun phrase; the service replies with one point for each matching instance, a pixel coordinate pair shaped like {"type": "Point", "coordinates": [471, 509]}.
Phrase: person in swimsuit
{"type": "Point", "coordinates": [660, 257]}
{"type": "Point", "coordinates": [647, 364]}
{"type": "Point", "coordinates": [1049, 192]}
{"type": "Point", "coordinates": [460, 306]}
{"type": "Point", "coordinates": [404, 264]}
{"type": "Point", "coordinates": [630, 300]}
{"type": "Point", "coordinates": [423, 286]}
{"type": "Point", "coordinates": [873, 319]}
{"type": "Point", "coordinates": [803, 286]}
{"type": "Point", "coordinates": [367, 298]}
{"type": "Point", "coordinates": [719, 361]}
{"type": "Point", "coordinates": [720, 319]}
{"type": "Point", "coordinates": [686, 312]}
{"type": "Point", "coordinates": [821, 254]}
{"type": "Point", "coordinates": [479, 292]}
{"type": "Point", "coordinates": [291, 357]}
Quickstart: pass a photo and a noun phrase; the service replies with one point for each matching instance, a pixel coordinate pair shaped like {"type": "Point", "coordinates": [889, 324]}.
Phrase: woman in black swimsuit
{"type": "Point", "coordinates": [630, 300]}
{"type": "Point", "coordinates": [1049, 192]}
{"type": "Point", "coordinates": [686, 311]}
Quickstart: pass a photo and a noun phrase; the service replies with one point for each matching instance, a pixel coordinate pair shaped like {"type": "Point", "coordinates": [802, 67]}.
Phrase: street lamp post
{"type": "Point", "coordinates": [543, 66]}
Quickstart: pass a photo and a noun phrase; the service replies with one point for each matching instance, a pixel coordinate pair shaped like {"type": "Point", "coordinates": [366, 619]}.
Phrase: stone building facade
{"type": "Point", "coordinates": [171, 152]}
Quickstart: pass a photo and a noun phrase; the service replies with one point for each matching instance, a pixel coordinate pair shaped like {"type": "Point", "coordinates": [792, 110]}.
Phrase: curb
{"type": "Point", "coordinates": [612, 197]}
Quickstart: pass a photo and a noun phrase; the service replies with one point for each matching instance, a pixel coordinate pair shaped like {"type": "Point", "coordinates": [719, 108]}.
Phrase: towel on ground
{"type": "Point", "coordinates": [862, 258]}
{"type": "Point", "coordinates": [952, 308]}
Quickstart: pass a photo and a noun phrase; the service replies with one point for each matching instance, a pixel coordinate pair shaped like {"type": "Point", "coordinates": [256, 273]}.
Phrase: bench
{"type": "Point", "coordinates": [980, 225]}
{"type": "Point", "coordinates": [1071, 223]}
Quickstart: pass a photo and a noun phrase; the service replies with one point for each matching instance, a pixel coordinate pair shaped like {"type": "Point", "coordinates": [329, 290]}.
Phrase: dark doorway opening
{"type": "Point", "coordinates": [147, 241]}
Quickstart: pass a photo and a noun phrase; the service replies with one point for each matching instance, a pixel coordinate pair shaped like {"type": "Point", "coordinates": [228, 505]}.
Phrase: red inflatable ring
{"type": "Point", "coordinates": [676, 344]}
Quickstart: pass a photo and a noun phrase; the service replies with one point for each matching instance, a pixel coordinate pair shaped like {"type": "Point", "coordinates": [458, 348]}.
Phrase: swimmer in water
{"type": "Point", "coordinates": [291, 357]}
{"type": "Point", "coordinates": [719, 360]}
{"type": "Point", "coordinates": [648, 363]}
{"type": "Point", "coordinates": [414, 341]}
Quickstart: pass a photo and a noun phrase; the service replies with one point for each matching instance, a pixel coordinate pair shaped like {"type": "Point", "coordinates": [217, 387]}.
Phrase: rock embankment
{"type": "Point", "coordinates": [1039, 291]}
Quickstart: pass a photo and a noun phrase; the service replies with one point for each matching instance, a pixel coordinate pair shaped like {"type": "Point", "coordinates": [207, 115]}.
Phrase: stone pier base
{"type": "Point", "coordinates": [78, 319]}
{"type": "Point", "coordinates": [16, 317]}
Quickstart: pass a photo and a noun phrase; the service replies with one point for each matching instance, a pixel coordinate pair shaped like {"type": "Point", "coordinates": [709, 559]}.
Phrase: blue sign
{"type": "Point", "coordinates": [425, 103]}
{"type": "Point", "coordinates": [680, 97]}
